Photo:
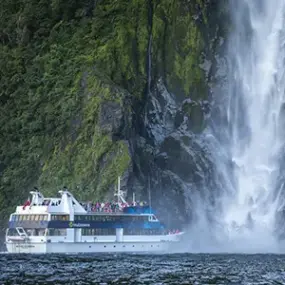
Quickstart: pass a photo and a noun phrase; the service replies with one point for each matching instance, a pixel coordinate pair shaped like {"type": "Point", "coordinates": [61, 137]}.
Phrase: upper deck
{"type": "Point", "coordinates": [67, 212]}
{"type": "Point", "coordinates": [67, 204]}
{"type": "Point", "coordinates": [40, 205]}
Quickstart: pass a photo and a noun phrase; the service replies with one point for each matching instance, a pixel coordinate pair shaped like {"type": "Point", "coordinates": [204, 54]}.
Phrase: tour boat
{"type": "Point", "coordinates": [64, 225]}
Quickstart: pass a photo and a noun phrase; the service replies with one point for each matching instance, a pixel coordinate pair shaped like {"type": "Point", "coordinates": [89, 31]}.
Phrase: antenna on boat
{"type": "Point", "coordinates": [119, 188]}
{"type": "Point", "coordinates": [120, 193]}
{"type": "Point", "coordinates": [149, 196]}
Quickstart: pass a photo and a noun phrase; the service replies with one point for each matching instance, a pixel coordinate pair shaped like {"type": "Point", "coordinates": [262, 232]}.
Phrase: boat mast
{"type": "Point", "coordinates": [119, 188]}
{"type": "Point", "coordinates": [149, 196]}
{"type": "Point", "coordinates": [120, 193]}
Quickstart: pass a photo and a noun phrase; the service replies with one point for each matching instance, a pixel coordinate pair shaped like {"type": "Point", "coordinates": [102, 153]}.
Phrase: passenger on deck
{"type": "Point", "coordinates": [110, 207]}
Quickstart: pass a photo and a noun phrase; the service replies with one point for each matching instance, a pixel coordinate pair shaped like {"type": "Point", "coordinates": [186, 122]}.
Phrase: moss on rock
{"type": "Point", "coordinates": [88, 163]}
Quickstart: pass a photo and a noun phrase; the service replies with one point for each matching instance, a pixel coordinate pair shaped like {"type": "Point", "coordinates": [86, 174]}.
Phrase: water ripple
{"type": "Point", "coordinates": [142, 269]}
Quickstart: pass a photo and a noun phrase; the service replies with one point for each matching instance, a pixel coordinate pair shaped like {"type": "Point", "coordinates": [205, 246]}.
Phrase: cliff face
{"type": "Point", "coordinates": [90, 90]}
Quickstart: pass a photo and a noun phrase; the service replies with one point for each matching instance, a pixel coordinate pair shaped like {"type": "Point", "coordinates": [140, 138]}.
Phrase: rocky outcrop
{"type": "Point", "coordinates": [170, 158]}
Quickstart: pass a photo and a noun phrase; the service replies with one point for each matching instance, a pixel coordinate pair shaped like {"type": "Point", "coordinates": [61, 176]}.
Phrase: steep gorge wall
{"type": "Point", "coordinates": [90, 90]}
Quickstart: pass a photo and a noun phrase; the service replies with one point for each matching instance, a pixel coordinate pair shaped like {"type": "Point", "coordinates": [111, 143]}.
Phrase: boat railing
{"type": "Point", "coordinates": [109, 206]}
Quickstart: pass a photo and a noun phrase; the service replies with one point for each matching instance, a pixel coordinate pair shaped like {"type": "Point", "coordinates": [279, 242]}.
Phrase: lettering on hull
{"type": "Point", "coordinates": [78, 225]}
{"type": "Point", "coordinates": [24, 246]}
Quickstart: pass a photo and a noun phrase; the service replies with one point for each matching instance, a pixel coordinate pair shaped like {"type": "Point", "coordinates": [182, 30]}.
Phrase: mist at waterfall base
{"type": "Point", "coordinates": [246, 138]}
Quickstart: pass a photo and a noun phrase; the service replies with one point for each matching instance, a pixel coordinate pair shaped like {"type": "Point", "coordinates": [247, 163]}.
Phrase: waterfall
{"type": "Point", "coordinates": [150, 15]}
{"type": "Point", "coordinates": [251, 131]}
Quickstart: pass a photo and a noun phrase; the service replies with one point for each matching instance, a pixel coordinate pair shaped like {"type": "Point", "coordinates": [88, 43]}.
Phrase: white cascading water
{"type": "Point", "coordinates": [254, 101]}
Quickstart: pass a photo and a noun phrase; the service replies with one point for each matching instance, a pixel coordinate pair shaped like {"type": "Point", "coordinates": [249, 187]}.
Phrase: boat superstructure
{"type": "Point", "coordinates": [64, 225]}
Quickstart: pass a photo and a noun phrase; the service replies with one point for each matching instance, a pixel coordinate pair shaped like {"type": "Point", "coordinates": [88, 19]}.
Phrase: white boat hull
{"type": "Point", "coordinates": [63, 225]}
{"type": "Point", "coordinates": [88, 247]}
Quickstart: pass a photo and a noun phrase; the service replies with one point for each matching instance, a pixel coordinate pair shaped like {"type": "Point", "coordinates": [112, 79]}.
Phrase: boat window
{"type": "Point", "coordinates": [16, 218]}
{"type": "Point", "coordinates": [30, 232]}
{"type": "Point", "coordinates": [143, 232]}
{"type": "Point", "coordinates": [133, 218]}
{"type": "Point", "coordinates": [19, 218]}
{"type": "Point", "coordinates": [41, 232]}
{"type": "Point", "coordinates": [65, 217]}
{"type": "Point", "coordinates": [21, 231]}
{"type": "Point", "coordinates": [96, 218]}
{"type": "Point", "coordinates": [12, 232]}
{"type": "Point", "coordinates": [35, 232]}
{"type": "Point", "coordinates": [59, 217]}
{"type": "Point", "coordinates": [152, 218]}
{"type": "Point", "coordinates": [56, 232]}
{"type": "Point", "coordinates": [46, 202]}
{"type": "Point", "coordinates": [112, 218]}
{"type": "Point", "coordinates": [100, 219]}
{"type": "Point", "coordinates": [88, 218]}
{"type": "Point", "coordinates": [94, 232]}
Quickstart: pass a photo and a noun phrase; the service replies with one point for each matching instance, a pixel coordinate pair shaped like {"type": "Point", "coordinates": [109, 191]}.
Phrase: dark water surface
{"type": "Point", "coordinates": [142, 269]}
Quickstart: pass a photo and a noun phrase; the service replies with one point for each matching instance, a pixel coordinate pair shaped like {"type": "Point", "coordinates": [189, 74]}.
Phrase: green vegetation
{"type": "Point", "coordinates": [60, 60]}
{"type": "Point", "coordinates": [178, 45]}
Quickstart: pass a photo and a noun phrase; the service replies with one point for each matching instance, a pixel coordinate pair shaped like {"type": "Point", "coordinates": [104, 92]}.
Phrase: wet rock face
{"type": "Point", "coordinates": [170, 158]}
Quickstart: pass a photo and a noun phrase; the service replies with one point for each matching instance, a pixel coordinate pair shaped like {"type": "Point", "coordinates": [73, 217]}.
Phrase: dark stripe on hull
{"type": "Point", "coordinates": [84, 224]}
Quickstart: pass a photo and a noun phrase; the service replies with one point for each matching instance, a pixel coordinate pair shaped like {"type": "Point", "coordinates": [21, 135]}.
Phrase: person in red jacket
{"type": "Point", "coordinates": [27, 203]}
